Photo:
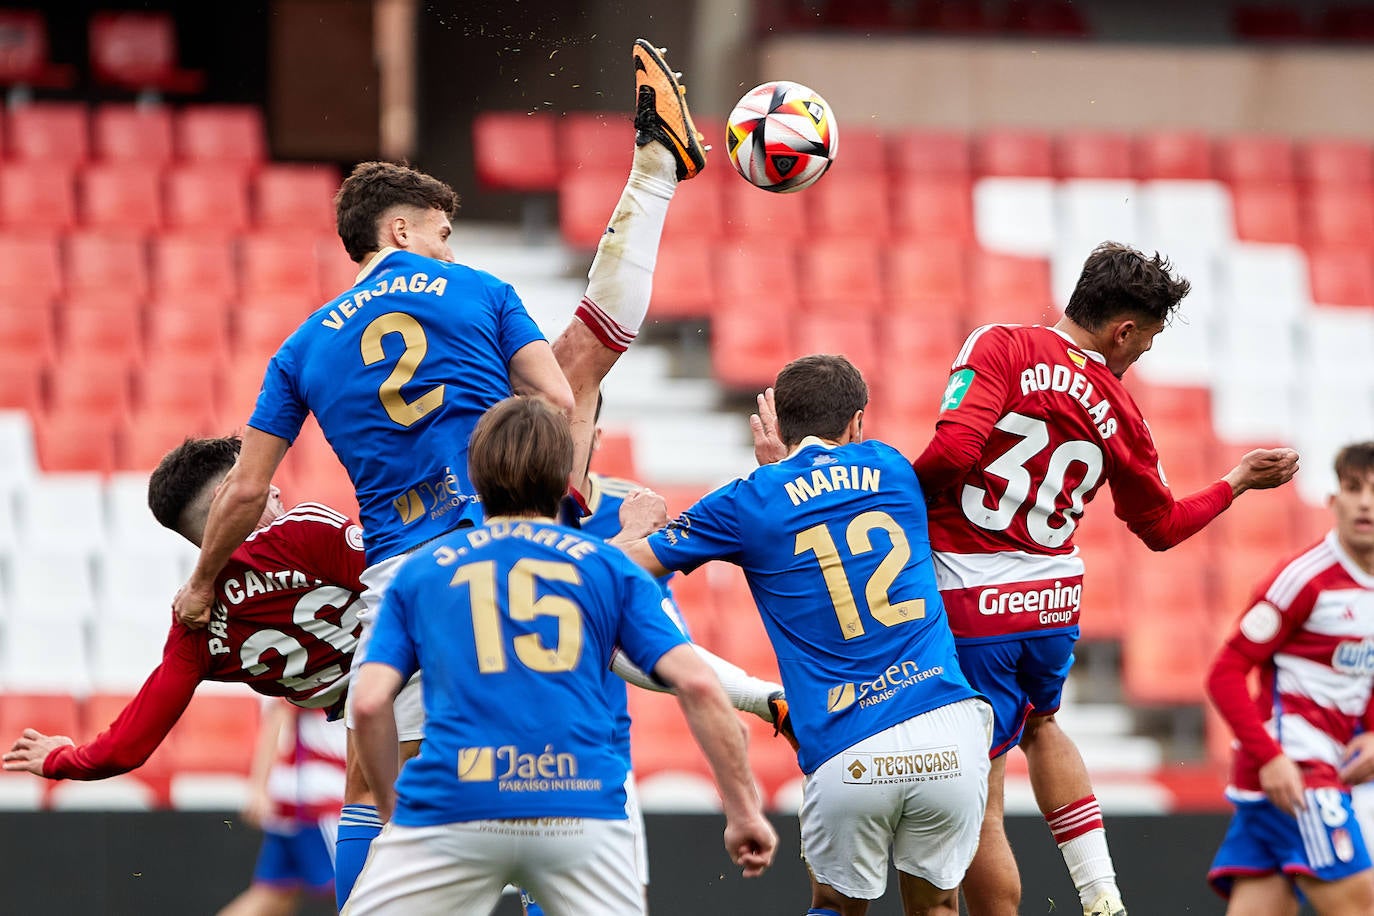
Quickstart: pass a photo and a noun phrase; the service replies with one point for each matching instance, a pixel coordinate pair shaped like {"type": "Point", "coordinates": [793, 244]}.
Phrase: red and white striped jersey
{"type": "Point", "coordinates": [1310, 631]}
{"type": "Point", "coordinates": [306, 783]}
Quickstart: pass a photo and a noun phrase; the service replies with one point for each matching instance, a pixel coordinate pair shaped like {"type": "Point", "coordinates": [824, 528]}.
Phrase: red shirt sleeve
{"type": "Point", "coordinates": [1147, 506]}
{"type": "Point", "coordinates": [143, 725]}
{"type": "Point", "coordinates": [1230, 694]}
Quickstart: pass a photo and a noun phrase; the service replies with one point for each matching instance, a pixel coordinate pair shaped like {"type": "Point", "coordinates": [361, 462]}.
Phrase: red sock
{"type": "Point", "coordinates": [1074, 819]}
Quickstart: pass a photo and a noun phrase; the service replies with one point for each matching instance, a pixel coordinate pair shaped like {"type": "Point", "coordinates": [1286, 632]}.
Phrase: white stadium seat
{"type": "Point", "coordinates": [48, 583]}
{"type": "Point", "coordinates": [1194, 214]}
{"type": "Point", "coordinates": [125, 651]}
{"type": "Point", "coordinates": [44, 656]}
{"type": "Point", "coordinates": [1015, 215]}
{"type": "Point", "coordinates": [18, 460]}
{"type": "Point", "coordinates": [64, 510]}
{"type": "Point", "coordinates": [1098, 210]}
{"type": "Point", "coordinates": [1269, 279]}
{"type": "Point", "coordinates": [135, 583]}
{"type": "Point", "coordinates": [118, 793]}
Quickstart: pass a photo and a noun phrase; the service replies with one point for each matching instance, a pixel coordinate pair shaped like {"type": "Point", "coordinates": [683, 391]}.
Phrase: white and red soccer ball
{"type": "Point", "coordinates": [781, 136]}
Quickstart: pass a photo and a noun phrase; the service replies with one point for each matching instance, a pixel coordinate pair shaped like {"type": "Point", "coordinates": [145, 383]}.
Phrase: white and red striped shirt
{"type": "Point", "coordinates": [1310, 631]}
{"type": "Point", "coordinates": [306, 783]}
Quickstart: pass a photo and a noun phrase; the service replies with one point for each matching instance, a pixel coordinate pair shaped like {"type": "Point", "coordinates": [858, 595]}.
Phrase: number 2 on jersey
{"type": "Point", "coordinates": [818, 540]}
{"type": "Point", "coordinates": [412, 333]}
{"type": "Point", "coordinates": [488, 634]}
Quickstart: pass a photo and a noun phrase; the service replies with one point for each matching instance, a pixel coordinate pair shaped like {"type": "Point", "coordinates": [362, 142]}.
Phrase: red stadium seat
{"type": "Point", "coordinates": [1093, 154]}
{"type": "Point", "coordinates": [174, 382]}
{"type": "Point", "coordinates": [698, 211]}
{"type": "Point", "coordinates": [1267, 211]}
{"type": "Point", "coordinates": [1341, 276]}
{"type": "Point", "coordinates": [1004, 287]}
{"type": "Point", "coordinates": [96, 383]}
{"type": "Point", "coordinates": [844, 276]}
{"type": "Point", "coordinates": [217, 733]}
{"type": "Point", "coordinates": [96, 333]}
{"type": "Point", "coordinates": [1107, 584]}
{"type": "Point", "coordinates": [76, 440]}
{"type": "Point", "coordinates": [586, 200]}
{"type": "Point", "coordinates": [1339, 216]}
{"type": "Point", "coordinates": [1174, 154]}
{"type": "Point", "coordinates": [1335, 161]}
{"type": "Point", "coordinates": [929, 274]}
{"type": "Point", "coordinates": [1254, 157]}
{"type": "Point", "coordinates": [239, 387]}
{"type": "Point", "coordinates": [266, 321]}
{"type": "Point", "coordinates": [21, 380]}
{"type": "Point", "coordinates": [747, 350]}
{"type": "Point", "coordinates": [227, 135]}
{"type": "Point", "coordinates": [199, 333]}
{"type": "Point", "coordinates": [139, 134]}
{"type": "Point", "coordinates": [138, 51]}
{"type": "Point", "coordinates": [50, 132]}
{"type": "Point", "coordinates": [295, 197]}
{"type": "Point", "coordinates": [1181, 407]}
{"type": "Point", "coordinates": [338, 272]}
{"type": "Point", "coordinates": [595, 141]}
{"type": "Point", "coordinates": [932, 208]}
{"type": "Point", "coordinates": [851, 336]}
{"type": "Point", "coordinates": [1014, 153]}
{"type": "Point", "coordinates": [278, 264]}
{"type": "Point", "coordinates": [615, 454]}
{"type": "Point", "coordinates": [763, 214]}
{"type": "Point", "coordinates": [515, 150]}
{"type": "Point", "coordinates": [930, 154]}
{"type": "Point", "coordinates": [27, 329]}
{"type": "Point", "coordinates": [1243, 567]}
{"type": "Point", "coordinates": [195, 266]}
{"type": "Point", "coordinates": [41, 279]}
{"type": "Point", "coordinates": [51, 714]}
{"type": "Point", "coordinates": [848, 205]}
{"type": "Point", "coordinates": [121, 198]}
{"type": "Point", "coordinates": [1168, 644]}
{"type": "Point", "coordinates": [758, 277]}
{"type": "Point", "coordinates": [145, 436]}
{"type": "Point", "coordinates": [864, 153]}
{"type": "Point", "coordinates": [206, 199]}
{"type": "Point", "coordinates": [37, 197]}
{"type": "Point", "coordinates": [114, 303]}
{"type": "Point", "coordinates": [684, 283]}
{"type": "Point", "coordinates": [1260, 524]}
{"type": "Point", "coordinates": [24, 56]}
{"type": "Point", "coordinates": [100, 262]}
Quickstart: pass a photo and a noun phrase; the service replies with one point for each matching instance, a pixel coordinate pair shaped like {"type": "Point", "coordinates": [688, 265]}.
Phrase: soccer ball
{"type": "Point", "coordinates": [781, 137]}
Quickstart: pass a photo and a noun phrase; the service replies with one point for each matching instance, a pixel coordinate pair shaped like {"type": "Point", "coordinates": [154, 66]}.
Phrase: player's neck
{"type": "Point", "coordinates": [1078, 334]}
{"type": "Point", "coordinates": [1363, 557]}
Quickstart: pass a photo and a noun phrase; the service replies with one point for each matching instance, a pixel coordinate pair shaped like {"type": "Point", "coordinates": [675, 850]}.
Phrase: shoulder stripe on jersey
{"type": "Point", "coordinates": [321, 509]}
{"type": "Point", "coordinates": [1297, 574]}
{"type": "Point", "coordinates": [968, 344]}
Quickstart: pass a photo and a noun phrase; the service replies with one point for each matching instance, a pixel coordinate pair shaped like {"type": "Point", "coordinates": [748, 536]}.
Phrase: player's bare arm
{"type": "Point", "coordinates": [534, 372]}
{"type": "Point", "coordinates": [374, 731]}
{"type": "Point", "coordinates": [235, 512]}
{"type": "Point", "coordinates": [1282, 783]}
{"type": "Point", "coordinates": [1263, 469]}
{"type": "Point", "coordinates": [33, 747]}
{"type": "Point", "coordinates": [749, 837]}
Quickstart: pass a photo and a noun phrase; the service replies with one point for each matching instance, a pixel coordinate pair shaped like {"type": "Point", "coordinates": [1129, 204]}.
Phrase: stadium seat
{"type": "Point", "coordinates": [1243, 567]}
{"type": "Point", "coordinates": [338, 272]}
{"type": "Point", "coordinates": [37, 197]}
{"type": "Point", "coordinates": [111, 339]}
{"type": "Point", "coordinates": [295, 197]}
{"type": "Point", "coordinates": [49, 713]}
{"type": "Point", "coordinates": [120, 198]}
{"type": "Point", "coordinates": [138, 51]}
{"type": "Point", "coordinates": [927, 276]}
{"type": "Point", "coordinates": [852, 336]}
{"type": "Point", "coordinates": [698, 211]}
{"type": "Point", "coordinates": [1274, 278]}
{"type": "Point", "coordinates": [1341, 276]}
{"type": "Point", "coordinates": [759, 273]}
{"type": "Point", "coordinates": [1015, 215]}
{"type": "Point", "coordinates": [1093, 154]}
{"type": "Point", "coordinates": [24, 61]}
{"type": "Point", "coordinates": [1186, 214]}
{"type": "Point", "coordinates": [152, 778]}
{"type": "Point", "coordinates": [148, 433]}
{"type": "Point", "coordinates": [747, 350]}
{"type": "Point", "coordinates": [63, 512]}
{"type": "Point", "coordinates": [1173, 154]}
{"type": "Point", "coordinates": [127, 641]}
{"type": "Point", "coordinates": [775, 218]}
{"type": "Point", "coordinates": [515, 150]}
{"type": "Point", "coordinates": [206, 199]}
{"type": "Point", "coordinates": [98, 262]}
{"type": "Point", "coordinates": [135, 134]}
{"type": "Point", "coordinates": [1168, 644]}
{"type": "Point", "coordinates": [95, 383]}
{"type": "Point", "coordinates": [930, 207]}
{"type": "Point", "coordinates": [595, 141]}
{"type": "Point", "coordinates": [50, 132]}
{"type": "Point", "coordinates": [41, 279]}
{"type": "Point", "coordinates": [1013, 154]}
{"type": "Point", "coordinates": [201, 334]}
{"type": "Point", "coordinates": [684, 283]}
{"type": "Point", "coordinates": [1095, 209]}
{"type": "Point", "coordinates": [865, 153]}
{"type": "Point", "coordinates": [47, 585]}
{"type": "Point", "coordinates": [27, 330]}
{"type": "Point", "coordinates": [1009, 288]}
{"type": "Point", "coordinates": [277, 264]}
{"type": "Point", "coordinates": [586, 200]}
{"type": "Point", "coordinates": [21, 380]}
{"type": "Point", "coordinates": [18, 452]}
{"type": "Point", "coordinates": [844, 276]}
{"type": "Point", "coordinates": [230, 136]}
{"type": "Point", "coordinates": [1263, 523]}
{"type": "Point", "coordinates": [929, 154]}
{"type": "Point", "coordinates": [75, 441]}
{"type": "Point", "coordinates": [1336, 216]}
{"type": "Point", "coordinates": [259, 329]}
{"type": "Point", "coordinates": [1107, 584]}
{"type": "Point", "coordinates": [217, 733]}
{"type": "Point", "coordinates": [177, 383]}
{"type": "Point", "coordinates": [1337, 162]}
{"type": "Point", "coordinates": [193, 268]}
{"type": "Point", "coordinates": [1267, 211]}
{"type": "Point", "coordinates": [1254, 158]}
{"type": "Point", "coordinates": [127, 792]}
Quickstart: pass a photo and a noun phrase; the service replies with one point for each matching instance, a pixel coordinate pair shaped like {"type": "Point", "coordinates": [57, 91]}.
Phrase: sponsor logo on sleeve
{"type": "Point", "coordinates": [1261, 623]}
{"type": "Point", "coordinates": [958, 386]}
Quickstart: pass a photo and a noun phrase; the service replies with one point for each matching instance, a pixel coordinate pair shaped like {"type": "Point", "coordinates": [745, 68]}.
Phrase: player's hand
{"type": "Point", "coordinates": [1282, 783]}
{"type": "Point", "coordinates": [191, 606]}
{"type": "Point", "coordinates": [32, 748]}
{"type": "Point", "coordinates": [1263, 469]}
{"type": "Point", "coordinates": [1358, 764]}
{"type": "Point", "coordinates": [768, 447]}
{"type": "Point", "coordinates": [257, 809]}
{"type": "Point", "coordinates": [751, 843]}
{"type": "Point", "coordinates": [641, 514]}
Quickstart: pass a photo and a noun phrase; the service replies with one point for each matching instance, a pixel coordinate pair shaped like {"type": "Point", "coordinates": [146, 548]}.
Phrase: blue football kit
{"type": "Point", "coordinates": [834, 545]}
{"type": "Point", "coordinates": [514, 623]}
{"type": "Point", "coordinates": [397, 371]}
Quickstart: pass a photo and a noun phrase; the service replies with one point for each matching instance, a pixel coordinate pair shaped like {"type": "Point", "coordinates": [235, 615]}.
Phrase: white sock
{"type": "Point", "coordinates": [621, 277]}
{"type": "Point", "coordinates": [1090, 865]}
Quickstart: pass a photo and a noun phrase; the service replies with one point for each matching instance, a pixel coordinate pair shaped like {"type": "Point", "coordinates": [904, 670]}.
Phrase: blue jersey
{"type": "Point", "coordinates": [397, 371]}
{"type": "Point", "coordinates": [833, 542]}
{"type": "Point", "coordinates": [514, 623]}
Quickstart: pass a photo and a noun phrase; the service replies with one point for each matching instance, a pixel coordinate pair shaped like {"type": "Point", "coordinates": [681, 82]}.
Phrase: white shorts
{"type": "Point", "coordinates": [410, 703]}
{"type": "Point", "coordinates": [919, 789]}
{"type": "Point", "coordinates": [572, 866]}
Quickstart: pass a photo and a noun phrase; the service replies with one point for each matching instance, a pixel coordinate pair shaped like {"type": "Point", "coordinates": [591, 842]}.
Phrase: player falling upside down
{"type": "Point", "coordinates": [515, 622]}
{"type": "Point", "coordinates": [284, 620]}
{"type": "Point", "coordinates": [1034, 421]}
{"type": "Point", "coordinates": [1309, 733]}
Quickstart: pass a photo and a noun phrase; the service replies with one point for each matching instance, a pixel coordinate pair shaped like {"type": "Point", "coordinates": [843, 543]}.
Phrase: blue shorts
{"type": "Point", "coordinates": [1324, 841]}
{"type": "Point", "coordinates": [1020, 677]}
{"type": "Point", "coordinates": [299, 859]}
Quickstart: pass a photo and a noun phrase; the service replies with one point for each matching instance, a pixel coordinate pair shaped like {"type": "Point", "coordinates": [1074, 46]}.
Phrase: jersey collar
{"type": "Point", "coordinates": [1091, 354]}
{"type": "Point", "coordinates": [374, 262]}
{"type": "Point", "coordinates": [811, 440]}
{"type": "Point", "coordinates": [1363, 578]}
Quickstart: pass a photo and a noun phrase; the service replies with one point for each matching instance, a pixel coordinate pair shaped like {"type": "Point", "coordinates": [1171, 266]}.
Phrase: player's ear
{"type": "Point", "coordinates": [1123, 330]}
{"type": "Point", "coordinates": [856, 427]}
{"type": "Point", "coordinates": [398, 234]}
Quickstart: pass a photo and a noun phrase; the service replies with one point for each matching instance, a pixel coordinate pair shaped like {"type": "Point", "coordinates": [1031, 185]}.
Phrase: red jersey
{"type": "Point", "coordinates": [1310, 631]}
{"type": "Point", "coordinates": [1031, 426]}
{"type": "Point", "coordinates": [284, 621]}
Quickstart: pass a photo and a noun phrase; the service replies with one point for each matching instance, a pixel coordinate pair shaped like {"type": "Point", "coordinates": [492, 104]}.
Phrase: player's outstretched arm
{"type": "Point", "coordinates": [31, 749]}
{"type": "Point", "coordinates": [234, 513]}
{"type": "Point", "coordinates": [746, 693]}
{"type": "Point", "coordinates": [749, 837]}
{"type": "Point", "coordinates": [1263, 469]}
{"type": "Point", "coordinates": [374, 730]}
{"type": "Point", "coordinates": [534, 372]}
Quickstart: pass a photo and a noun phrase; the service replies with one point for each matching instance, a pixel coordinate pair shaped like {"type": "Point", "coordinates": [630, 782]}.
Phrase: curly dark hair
{"type": "Point", "coordinates": [1355, 462]}
{"type": "Point", "coordinates": [817, 396]}
{"type": "Point", "coordinates": [375, 187]}
{"type": "Point", "coordinates": [1120, 281]}
{"type": "Point", "coordinates": [183, 474]}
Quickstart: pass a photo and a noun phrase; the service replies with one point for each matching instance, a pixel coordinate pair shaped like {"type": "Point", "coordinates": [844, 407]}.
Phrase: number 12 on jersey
{"type": "Point", "coordinates": [818, 540]}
